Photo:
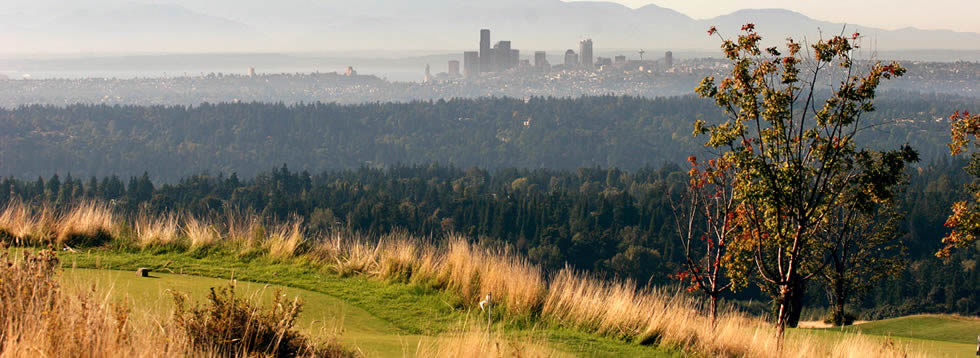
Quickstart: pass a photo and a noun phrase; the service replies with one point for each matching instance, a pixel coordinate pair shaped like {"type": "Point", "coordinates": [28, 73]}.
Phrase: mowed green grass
{"type": "Point", "coordinates": [933, 335]}
{"type": "Point", "coordinates": [321, 315]}
{"type": "Point", "coordinates": [383, 319]}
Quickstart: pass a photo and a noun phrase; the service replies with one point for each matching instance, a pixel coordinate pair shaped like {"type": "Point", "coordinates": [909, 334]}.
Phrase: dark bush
{"type": "Point", "coordinates": [233, 326]}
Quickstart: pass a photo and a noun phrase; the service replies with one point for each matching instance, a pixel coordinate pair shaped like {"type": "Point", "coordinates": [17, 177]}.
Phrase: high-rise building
{"type": "Point", "coordinates": [453, 68]}
{"type": "Point", "coordinates": [471, 64]}
{"type": "Point", "coordinates": [515, 57]}
{"type": "Point", "coordinates": [571, 59]}
{"type": "Point", "coordinates": [502, 56]}
{"type": "Point", "coordinates": [251, 72]}
{"type": "Point", "coordinates": [540, 58]}
{"type": "Point", "coordinates": [669, 59]}
{"type": "Point", "coordinates": [486, 58]}
{"type": "Point", "coordinates": [585, 53]}
{"type": "Point", "coordinates": [620, 59]}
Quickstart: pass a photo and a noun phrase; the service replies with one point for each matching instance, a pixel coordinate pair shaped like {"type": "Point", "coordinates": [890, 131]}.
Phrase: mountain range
{"type": "Point", "coordinates": [101, 26]}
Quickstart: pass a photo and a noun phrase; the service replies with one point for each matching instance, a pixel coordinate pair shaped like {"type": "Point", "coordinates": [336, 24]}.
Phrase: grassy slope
{"type": "Point", "coordinates": [935, 335]}
{"type": "Point", "coordinates": [322, 314]}
{"type": "Point", "coordinates": [388, 318]}
{"type": "Point", "coordinates": [933, 327]}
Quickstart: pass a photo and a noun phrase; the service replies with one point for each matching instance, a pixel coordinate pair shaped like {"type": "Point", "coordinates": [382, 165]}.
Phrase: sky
{"type": "Point", "coordinates": [957, 15]}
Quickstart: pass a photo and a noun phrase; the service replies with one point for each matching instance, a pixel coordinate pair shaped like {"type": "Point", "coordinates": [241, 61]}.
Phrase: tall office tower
{"type": "Point", "coordinates": [669, 59]}
{"type": "Point", "coordinates": [453, 68]}
{"type": "Point", "coordinates": [486, 58]}
{"type": "Point", "coordinates": [471, 64]}
{"type": "Point", "coordinates": [515, 57]}
{"type": "Point", "coordinates": [251, 72]}
{"type": "Point", "coordinates": [540, 57]}
{"type": "Point", "coordinates": [585, 53]}
{"type": "Point", "coordinates": [571, 59]}
{"type": "Point", "coordinates": [502, 56]}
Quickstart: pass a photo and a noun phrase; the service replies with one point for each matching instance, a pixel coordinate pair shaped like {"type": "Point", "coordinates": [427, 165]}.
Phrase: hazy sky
{"type": "Point", "coordinates": [957, 15]}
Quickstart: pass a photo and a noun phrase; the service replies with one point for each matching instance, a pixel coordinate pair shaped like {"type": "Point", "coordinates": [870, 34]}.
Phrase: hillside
{"type": "Point", "coordinates": [297, 25]}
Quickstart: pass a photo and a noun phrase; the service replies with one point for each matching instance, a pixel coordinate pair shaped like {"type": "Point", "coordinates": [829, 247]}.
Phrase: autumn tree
{"type": "Point", "coordinates": [705, 221]}
{"type": "Point", "coordinates": [965, 220]}
{"type": "Point", "coordinates": [792, 147]}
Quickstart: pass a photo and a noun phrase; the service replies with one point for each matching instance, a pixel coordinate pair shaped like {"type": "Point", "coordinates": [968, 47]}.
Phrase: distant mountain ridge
{"type": "Point", "coordinates": [308, 25]}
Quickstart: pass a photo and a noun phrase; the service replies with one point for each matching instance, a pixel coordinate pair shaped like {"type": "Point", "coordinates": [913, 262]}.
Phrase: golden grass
{"type": "Point", "coordinates": [285, 240]}
{"type": "Point", "coordinates": [87, 220]}
{"type": "Point", "coordinates": [522, 290]}
{"type": "Point", "coordinates": [475, 343]}
{"type": "Point", "coordinates": [200, 233]}
{"type": "Point", "coordinates": [159, 230]}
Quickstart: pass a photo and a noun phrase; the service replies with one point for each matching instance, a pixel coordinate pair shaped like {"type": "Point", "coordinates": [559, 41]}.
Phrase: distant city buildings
{"type": "Point", "coordinates": [454, 68]}
{"type": "Point", "coordinates": [251, 72]}
{"type": "Point", "coordinates": [571, 58]}
{"type": "Point", "coordinates": [471, 64]}
{"type": "Point", "coordinates": [502, 57]}
{"type": "Point", "coordinates": [486, 58]}
{"type": "Point", "coordinates": [585, 53]}
{"type": "Point", "coordinates": [350, 71]}
{"type": "Point", "coordinates": [541, 61]}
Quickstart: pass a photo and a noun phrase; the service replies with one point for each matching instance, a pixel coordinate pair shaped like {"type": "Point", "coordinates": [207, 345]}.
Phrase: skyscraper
{"type": "Point", "coordinates": [453, 68]}
{"type": "Point", "coordinates": [540, 59]}
{"type": "Point", "coordinates": [585, 53]}
{"type": "Point", "coordinates": [471, 64]}
{"type": "Point", "coordinates": [571, 59]}
{"type": "Point", "coordinates": [669, 59]}
{"type": "Point", "coordinates": [485, 56]}
{"type": "Point", "coordinates": [502, 56]}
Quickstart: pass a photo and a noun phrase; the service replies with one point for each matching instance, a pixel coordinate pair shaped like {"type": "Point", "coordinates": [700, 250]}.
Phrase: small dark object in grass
{"type": "Point", "coordinates": [144, 272]}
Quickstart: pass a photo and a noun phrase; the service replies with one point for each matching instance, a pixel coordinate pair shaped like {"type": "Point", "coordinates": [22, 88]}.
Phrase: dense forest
{"type": "Point", "coordinates": [607, 221]}
{"type": "Point", "coordinates": [172, 142]}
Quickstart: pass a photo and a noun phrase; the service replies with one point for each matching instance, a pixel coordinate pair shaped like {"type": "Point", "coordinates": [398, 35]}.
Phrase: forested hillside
{"type": "Point", "coordinates": [607, 221]}
{"type": "Point", "coordinates": [171, 142]}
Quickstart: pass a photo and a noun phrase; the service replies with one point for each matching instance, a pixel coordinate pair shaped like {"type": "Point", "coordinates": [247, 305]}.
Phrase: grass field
{"type": "Point", "coordinates": [322, 314]}
{"type": "Point", "coordinates": [934, 335]}
{"type": "Point", "coordinates": [382, 319]}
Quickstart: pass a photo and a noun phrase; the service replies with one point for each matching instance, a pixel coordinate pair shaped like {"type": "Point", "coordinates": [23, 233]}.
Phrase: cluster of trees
{"type": "Point", "coordinates": [608, 221]}
{"type": "Point", "coordinates": [172, 142]}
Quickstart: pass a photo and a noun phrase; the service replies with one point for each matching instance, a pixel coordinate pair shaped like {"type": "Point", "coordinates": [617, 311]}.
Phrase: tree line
{"type": "Point", "coordinates": [173, 142]}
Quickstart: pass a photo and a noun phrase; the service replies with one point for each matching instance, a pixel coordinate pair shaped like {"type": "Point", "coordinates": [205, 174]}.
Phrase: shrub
{"type": "Point", "coordinates": [232, 325]}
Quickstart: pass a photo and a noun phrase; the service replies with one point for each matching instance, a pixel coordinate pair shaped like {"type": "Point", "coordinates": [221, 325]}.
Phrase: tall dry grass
{"type": "Point", "coordinates": [26, 224]}
{"type": "Point", "coordinates": [38, 319]}
{"type": "Point", "coordinates": [521, 290]}
{"type": "Point", "coordinates": [156, 230]}
{"type": "Point", "coordinates": [200, 233]}
{"type": "Point", "coordinates": [285, 240]}
{"type": "Point", "coordinates": [474, 343]}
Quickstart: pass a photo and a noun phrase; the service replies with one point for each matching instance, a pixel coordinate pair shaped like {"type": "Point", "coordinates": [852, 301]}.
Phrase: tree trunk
{"type": "Point", "coordinates": [797, 294]}
{"type": "Point", "coordinates": [782, 315]}
{"type": "Point", "coordinates": [839, 299]}
{"type": "Point", "coordinates": [714, 310]}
